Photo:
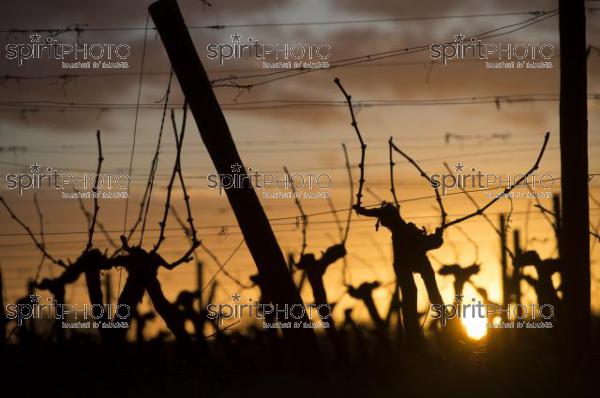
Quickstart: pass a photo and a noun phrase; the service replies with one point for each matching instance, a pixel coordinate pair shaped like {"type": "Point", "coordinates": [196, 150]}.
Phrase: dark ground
{"type": "Point", "coordinates": [497, 366]}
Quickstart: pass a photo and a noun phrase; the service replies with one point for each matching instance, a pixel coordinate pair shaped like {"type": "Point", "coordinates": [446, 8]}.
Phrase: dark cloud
{"type": "Point", "coordinates": [434, 7]}
{"type": "Point", "coordinates": [416, 80]}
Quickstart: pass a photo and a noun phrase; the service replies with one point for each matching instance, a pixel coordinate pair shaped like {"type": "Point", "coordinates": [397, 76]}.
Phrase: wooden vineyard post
{"type": "Point", "coordinates": [244, 201]}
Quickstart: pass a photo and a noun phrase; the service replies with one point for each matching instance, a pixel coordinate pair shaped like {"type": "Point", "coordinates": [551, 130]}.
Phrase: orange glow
{"type": "Point", "coordinates": [475, 327]}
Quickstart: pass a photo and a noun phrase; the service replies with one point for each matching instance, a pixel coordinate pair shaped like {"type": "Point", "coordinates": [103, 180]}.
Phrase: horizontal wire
{"type": "Point", "coordinates": [323, 223]}
{"type": "Point", "coordinates": [280, 103]}
{"type": "Point", "coordinates": [544, 15]}
{"type": "Point", "coordinates": [78, 28]}
{"type": "Point", "coordinates": [232, 80]}
{"type": "Point", "coordinates": [329, 168]}
{"type": "Point", "coordinates": [418, 198]}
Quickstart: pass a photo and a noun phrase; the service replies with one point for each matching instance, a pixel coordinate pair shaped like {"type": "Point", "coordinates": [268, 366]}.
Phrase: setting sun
{"type": "Point", "coordinates": [475, 327]}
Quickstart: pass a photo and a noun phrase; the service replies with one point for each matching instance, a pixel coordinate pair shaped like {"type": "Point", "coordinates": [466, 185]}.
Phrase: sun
{"type": "Point", "coordinates": [476, 327]}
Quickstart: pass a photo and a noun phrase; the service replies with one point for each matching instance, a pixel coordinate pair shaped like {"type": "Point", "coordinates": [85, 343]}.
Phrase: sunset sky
{"type": "Point", "coordinates": [52, 122]}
